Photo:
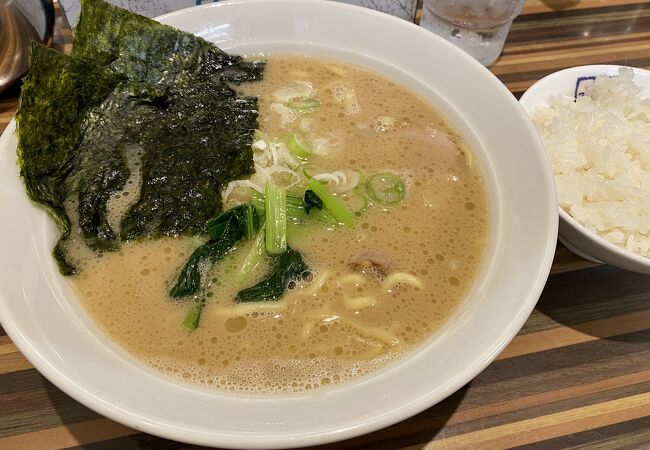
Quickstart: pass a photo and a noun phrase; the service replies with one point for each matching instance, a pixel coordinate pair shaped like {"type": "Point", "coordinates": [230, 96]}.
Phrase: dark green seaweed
{"type": "Point", "coordinates": [102, 158]}
{"type": "Point", "coordinates": [148, 51]}
{"type": "Point", "coordinates": [134, 87]}
{"type": "Point", "coordinates": [198, 144]}
{"type": "Point", "coordinates": [56, 96]}
{"type": "Point", "coordinates": [287, 267]}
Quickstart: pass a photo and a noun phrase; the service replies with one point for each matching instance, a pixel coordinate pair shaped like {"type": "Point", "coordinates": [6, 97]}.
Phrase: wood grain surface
{"type": "Point", "coordinates": [576, 376]}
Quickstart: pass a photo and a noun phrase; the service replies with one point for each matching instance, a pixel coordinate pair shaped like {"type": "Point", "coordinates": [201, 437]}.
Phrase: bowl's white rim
{"type": "Point", "coordinates": [182, 433]}
{"type": "Point", "coordinates": [538, 89]}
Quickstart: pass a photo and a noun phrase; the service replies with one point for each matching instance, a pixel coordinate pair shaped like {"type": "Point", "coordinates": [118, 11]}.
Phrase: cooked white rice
{"type": "Point", "coordinates": [600, 150]}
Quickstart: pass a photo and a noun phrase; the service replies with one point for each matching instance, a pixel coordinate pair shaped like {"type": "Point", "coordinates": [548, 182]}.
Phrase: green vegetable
{"type": "Point", "coordinates": [225, 231]}
{"type": "Point", "coordinates": [242, 215]}
{"type": "Point", "coordinates": [253, 258]}
{"type": "Point", "coordinates": [257, 200]}
{"type": "Point", "coordinates": [191, 321]}
{"type": "Point", "coordinates": [331, 203]}
{"type": "Point", "coordinates": [312, 200]}
{"type": "Point", "coordinates": [251, 222]}
{"type": "Point", "coordinates": [275, 210]}
{"type": "Point", "coordinates": [324, 216]}
{"type": "Point", "coordinates": [303, 104]}
{"type": "Point", "coordinates": [295, 206]}
{"type": "Point", "coordinates": [309, 171]}
{"type": "Point", "coordinates": [286, 267]}
{"type": "Point", "coordinates": [385, 188]}
{"type": "Point", "coordinates": [299, 146]}
{"type": "Point", "coordinates": [189, 279]}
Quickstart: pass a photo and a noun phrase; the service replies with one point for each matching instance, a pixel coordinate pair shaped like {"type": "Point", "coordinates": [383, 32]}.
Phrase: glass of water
{"type": "Point", "coordinates": [479, 27]}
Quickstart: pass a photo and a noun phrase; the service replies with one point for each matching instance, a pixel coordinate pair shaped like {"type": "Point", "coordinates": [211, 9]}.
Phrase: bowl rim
{"type": "Point", "coordinates": [177, 432]}
{"type": "Point", "coordinates": [537, 90]}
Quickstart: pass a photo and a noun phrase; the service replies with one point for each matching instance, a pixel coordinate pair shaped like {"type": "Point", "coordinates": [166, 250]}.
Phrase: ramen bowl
{"type": "Point", "coordinates": [44, 319]}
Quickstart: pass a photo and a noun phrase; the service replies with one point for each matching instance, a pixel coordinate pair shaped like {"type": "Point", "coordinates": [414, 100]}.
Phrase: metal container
{"type": "Point", "coordinates": [21, 21]}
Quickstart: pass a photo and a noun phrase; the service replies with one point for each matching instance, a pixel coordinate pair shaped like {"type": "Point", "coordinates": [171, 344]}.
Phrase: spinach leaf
{"type": "Point", "coordinates": [225, 231]}
{"type": "Point", "coordinates": [239, 214]}
{"type": "Point", "coordinates": [189, 280]}
{"type": "Point", "coordinates": [311, 200]}
{"type": "Point", "coordinates": [287, 267]}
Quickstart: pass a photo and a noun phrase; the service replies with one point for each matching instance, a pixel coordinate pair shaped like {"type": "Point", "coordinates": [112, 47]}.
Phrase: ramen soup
{"type": "Point", "coordinates": [375, 288]}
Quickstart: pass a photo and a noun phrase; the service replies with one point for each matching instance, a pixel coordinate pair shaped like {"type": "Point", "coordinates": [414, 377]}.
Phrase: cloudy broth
{"type": "Point", "coordinates": [345, 321]}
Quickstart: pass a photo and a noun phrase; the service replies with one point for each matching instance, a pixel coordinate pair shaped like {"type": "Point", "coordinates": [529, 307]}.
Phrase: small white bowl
{"type": "Point", "coordinates": [572, 234]}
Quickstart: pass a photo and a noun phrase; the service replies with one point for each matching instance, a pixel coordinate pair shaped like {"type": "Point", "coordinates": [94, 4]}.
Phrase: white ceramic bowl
{"type": "Point", "coordinates": [572, 234]}
{"type": "Point", "coordinates": [41, 315]}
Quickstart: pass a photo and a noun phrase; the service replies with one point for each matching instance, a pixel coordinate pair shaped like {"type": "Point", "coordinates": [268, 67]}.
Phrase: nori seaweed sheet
{"type": "Point", "coordinates": [148, 51]}
{"type": "Point", "coordinates": [216, 129]}
{"type": "Point", "coordinates": [134, 82]}
{"type": "Point", "coordinates": [56, 96]}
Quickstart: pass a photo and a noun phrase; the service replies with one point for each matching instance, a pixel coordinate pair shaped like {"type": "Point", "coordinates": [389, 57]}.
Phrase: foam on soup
{"type": "Point", "coordinates": [350, 317]}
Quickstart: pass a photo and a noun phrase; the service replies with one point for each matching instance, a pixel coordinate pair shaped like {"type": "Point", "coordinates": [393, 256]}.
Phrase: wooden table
{"type": "Point", "coordinates": [578, 373]}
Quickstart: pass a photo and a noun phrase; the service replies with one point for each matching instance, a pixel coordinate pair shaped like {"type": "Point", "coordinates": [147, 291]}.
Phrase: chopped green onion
{"type": "Point", "coordinates": [299, 146]}
{"type": "Point", "coordinates": [191, 321]}
{"type": "Point", "coordinates": [331, 203]}
{"type": "Point", "coordinates": [275, 211]}
{"type": "Point", "coordinates": [303, 104]}
{"type": "Point", "coordinates": [386, 188]}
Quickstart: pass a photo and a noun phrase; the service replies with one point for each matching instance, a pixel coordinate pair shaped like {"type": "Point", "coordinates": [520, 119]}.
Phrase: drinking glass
{"type": "Point", "coordinates": [479, 27]}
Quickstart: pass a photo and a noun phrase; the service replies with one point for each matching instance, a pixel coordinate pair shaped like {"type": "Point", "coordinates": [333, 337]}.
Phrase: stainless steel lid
{"type": "Point", "coordinates": [21, 21]}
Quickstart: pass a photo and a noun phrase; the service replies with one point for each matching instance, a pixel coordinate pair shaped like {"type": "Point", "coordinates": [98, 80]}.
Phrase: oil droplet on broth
{"type": "Point", "coordinates": [236, 324]}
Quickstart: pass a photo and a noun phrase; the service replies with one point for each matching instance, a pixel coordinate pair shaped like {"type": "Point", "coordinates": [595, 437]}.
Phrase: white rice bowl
{"type": "Point", "coordinates": [599, 146]}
